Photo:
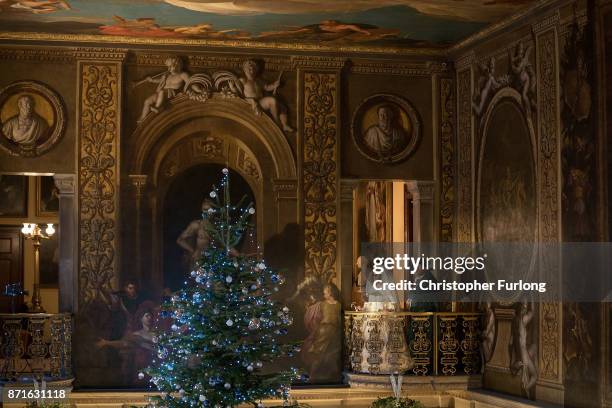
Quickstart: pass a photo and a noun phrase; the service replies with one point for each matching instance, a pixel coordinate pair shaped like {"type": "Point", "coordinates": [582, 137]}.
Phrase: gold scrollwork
{"type": "Point", "coordinates": [320, 177]}
{"type": "Point", "coordinates": [447, 159]}
{"type": "Point", "coordinates": [357, 343]}
{"type": "Point", "coordinates": [548, 165]}
{"type": "Point", "coordinates": [470, 345]}
{"type": "Point", "coordinates": [98, 177]}
{"type": "Point", "coordinates": [420, 345]}
{"type": "Point", "coordinates": [374, 345]}
{"type": "Point", "coordinates": [448, 344]}
{"type": "Point", "coordinates": [464, 158]}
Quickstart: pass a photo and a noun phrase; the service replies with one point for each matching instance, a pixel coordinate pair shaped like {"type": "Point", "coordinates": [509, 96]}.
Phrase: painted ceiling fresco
{"type": "Point", "coordinates": [380, 22]}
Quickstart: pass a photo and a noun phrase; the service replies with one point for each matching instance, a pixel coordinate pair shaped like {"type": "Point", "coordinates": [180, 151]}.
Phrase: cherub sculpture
{"type": "Point", "coordinates": [173, 82]}
{"type": "Point", "coordinates": [522, 353]}
{"type": "Point", "coordinates": [261, 95]}
{"type": "Point", "coordinates": [487, 85]}
{"type": "Point", "coordinates": [521, 67]}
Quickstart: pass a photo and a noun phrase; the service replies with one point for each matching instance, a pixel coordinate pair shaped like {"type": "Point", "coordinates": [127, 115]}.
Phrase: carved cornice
{"type": "Point", "coordinates": [110, 54]}
{"type": "Point", "coordinates": [546, 23]}
{"type": "Point", "coordinates": [494, 29]}
{"type": "Point", "coordinates": [284, 185]}
{"type": "Point", "coordinates": [319, 62]}
{"type": "Point", "coordinates": [242, 44]}
{"type": "Point", "coordinates": [398, 68]}
{"type": "Point", "coordinates": [465, 61]}
{"type": "Point", "coordinates": [48, 55]}
{"type": "Point", "coordinates": [209, 61]}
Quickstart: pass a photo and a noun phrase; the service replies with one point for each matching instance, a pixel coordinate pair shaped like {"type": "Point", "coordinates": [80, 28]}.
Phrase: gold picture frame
{"type": "Point", "coordinates": [47, 197]}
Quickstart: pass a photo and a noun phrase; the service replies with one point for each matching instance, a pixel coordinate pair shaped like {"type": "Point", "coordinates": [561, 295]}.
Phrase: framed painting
{"type": "Point", "coordinates": [13, 196]}
{"type": "Point", "coordinates": [49, 262]}
{"type": "Point", "coordinates": [47, 196]}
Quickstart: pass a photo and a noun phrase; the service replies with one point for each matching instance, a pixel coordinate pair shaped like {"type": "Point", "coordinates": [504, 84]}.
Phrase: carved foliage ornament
{"type": "Point", "coordinates": [548, 163]}
{"type": "Point", "coordinates": [320, 178]}
{"type": "Point", "coordinates": [447, 159]}
{"type": "Point", "coordinates": [98, 174]}
{"type": "Point", "coordinates": [464, 159]}
{"type": "Point", "coordinates": [33, 118]}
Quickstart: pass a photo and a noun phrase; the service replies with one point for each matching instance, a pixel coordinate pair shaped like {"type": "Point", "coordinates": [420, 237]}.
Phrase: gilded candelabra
{"type": "Point", "coordinates": [36, 234]}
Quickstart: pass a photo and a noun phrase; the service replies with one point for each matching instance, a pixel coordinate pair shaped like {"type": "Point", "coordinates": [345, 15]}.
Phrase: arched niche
{"type": "Point", "coordinates": [507, 144]}
{"type": "Point", "coordinates": [507, 189]}
{"type": "Point", "coordinates": [221, 131]}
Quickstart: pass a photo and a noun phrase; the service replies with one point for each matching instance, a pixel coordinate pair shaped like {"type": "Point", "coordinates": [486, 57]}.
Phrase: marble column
{"type": "Point", "coordinates": [68, 242]}
{"type": "Point", "coordinates": [423, 210]}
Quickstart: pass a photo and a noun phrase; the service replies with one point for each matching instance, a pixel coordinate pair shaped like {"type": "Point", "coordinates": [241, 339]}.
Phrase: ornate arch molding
{"type": "Point", "coordinates": [507, 93]}
{"type": "Point", "coordinates": [148, 134]}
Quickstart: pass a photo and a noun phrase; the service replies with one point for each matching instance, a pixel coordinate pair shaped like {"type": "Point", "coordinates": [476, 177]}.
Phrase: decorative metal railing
{"type": "Point", "coordinates": [437, 343]}
{"type": "Point", "coordinates": [35, 346]}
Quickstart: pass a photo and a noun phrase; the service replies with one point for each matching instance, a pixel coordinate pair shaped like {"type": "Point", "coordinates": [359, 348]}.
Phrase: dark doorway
{"type": "Point", "coordinates": [182, 206]}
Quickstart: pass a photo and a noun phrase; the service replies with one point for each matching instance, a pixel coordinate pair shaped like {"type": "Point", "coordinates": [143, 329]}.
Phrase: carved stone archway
{"type": "Point", "coordinates": [182, 109]}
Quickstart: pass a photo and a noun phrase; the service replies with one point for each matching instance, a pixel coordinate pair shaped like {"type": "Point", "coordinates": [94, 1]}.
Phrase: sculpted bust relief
{"type": "Point", "coordinates": [386, 137]}
{"type": "Point", "coordinates": [386, 128]}
{"type": "Point", "coordinates": [32, 118]}
{"type": "Point", "coordinates": [27, 127]}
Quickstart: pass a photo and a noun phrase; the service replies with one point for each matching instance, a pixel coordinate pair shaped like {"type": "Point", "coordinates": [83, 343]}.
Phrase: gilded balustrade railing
{"type": "Point", "coordinates": [35, 346]}
{"type": "Point", "coordinates": [424, 343]}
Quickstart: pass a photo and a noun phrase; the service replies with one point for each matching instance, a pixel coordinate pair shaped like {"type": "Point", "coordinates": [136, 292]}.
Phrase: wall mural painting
{"type": "Point", "coordinates": [13, 195]}
{"type": "Point", "coordinates": [47, 196]}
{"type": "Point", "coordinates": [507, 193]}
{"type": "Point", "coordinates": [386, 128]}
{"type": "Point", "coordinates": [32, 118]}
{"type": "Point", "coordinates": [581, 322]}
{"type": "Point", "coordinates": [184, 226]}
{"type": "Point", "coordinates": [578, 137]}
{"type": "Point", "coordinates": [507, 183]}
{"type": "Point", "coordinates": [49, 261]}
{"type": "Point", "coordinates": [122, 322]}
{"type": "Point", "coordinates": [401, 22]}
{"type": "Point", "coordinates": [318, 302]}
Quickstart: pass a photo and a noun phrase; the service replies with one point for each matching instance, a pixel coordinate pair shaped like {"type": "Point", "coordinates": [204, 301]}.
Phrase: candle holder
{"type": "Point", "coordinates": [36, 234]}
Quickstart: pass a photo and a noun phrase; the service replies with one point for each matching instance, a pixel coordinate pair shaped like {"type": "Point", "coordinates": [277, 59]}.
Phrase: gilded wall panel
{"type": "Point", "coordinates": [549, 202]}
{"type": "Point", "coordinates": [98, 172]}
{"type": "Point", "coordinates": [447, 159]}
{"type": "Point", "coordinates": [320, 178]}
{"type": "Point", "coordinates": [464, 156]}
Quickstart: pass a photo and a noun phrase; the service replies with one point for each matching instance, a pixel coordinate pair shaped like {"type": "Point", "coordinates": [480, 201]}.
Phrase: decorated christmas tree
{"type": "Point", "coordinates": [224, 324]}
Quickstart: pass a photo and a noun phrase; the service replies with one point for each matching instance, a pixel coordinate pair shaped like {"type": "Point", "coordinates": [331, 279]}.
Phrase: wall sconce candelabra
{"type": "Point", "coordinates": [36, 234]}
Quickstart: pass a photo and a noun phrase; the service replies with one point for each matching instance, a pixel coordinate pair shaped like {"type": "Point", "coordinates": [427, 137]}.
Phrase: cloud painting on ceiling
{"type": "Point", "coordinates": [380, 22]}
